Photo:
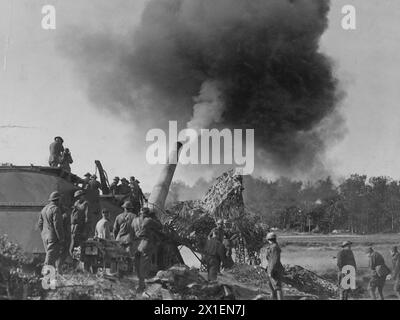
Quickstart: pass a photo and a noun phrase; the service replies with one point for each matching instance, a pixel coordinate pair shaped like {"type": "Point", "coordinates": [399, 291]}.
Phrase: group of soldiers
{"type": "Point", "coordinates": [137, 232]}
{"type": "Point", "coordinates": [380, 272]}
{"type": "Point", "coordinates": [129, 190]}
{"type": "Point", "coordinates": [60, 157]}
{"type": "Point", "coordinates": [217, 251]}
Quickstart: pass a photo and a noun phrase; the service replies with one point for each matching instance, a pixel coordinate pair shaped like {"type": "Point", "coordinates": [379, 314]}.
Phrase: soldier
{"type": "Point", "coordinates": [93, 198]}
{"type": "Point", "coordinates": [56, 150]}
{"type": "Point", "coordinates": [379, 273]}
{"type": "Point", "coordinates": [86, 181]}
{"type": "Point", "coordinates": [51, 227]}
{"type": "Point", "coordinates": [396, 270]}
{"type": "Point", "coordinates": [214, 255]}
{"type": "Point", "coordinates": [149, 233]}
{"type": "Point", "coordinates": [124, 188]}
{"type": "Point", "coordinates": [123, 231]}
{"type": "Point", "coordinates": [219, 230]}
{"type": "Point", "coordinates": [275, 269]}
{"type": "Point", "coordinates": [103, 227]}
{"type": "Point", "coordinates": [66, 160]}
{"type": "Point", "coordinates": [114, 188]}
{"type": "Point", "coordinates": [142, 197]}
{"type": "Point", "coordinates": [345, 257]}
{"type": "Point", "coordinates": [66, 219]}
{"type": "Point", "coordinates": [136, 195]}
{"type": "Point", "coordinates": [79, 220]}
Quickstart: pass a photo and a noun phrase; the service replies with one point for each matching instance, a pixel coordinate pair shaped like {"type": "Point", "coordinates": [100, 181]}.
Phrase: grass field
{"type": "Point", "coordinates": [318, 253]}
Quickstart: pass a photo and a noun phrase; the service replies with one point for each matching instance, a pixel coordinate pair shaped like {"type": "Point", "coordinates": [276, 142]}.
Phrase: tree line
{"type": "Point", "coordinates": [357, 204]}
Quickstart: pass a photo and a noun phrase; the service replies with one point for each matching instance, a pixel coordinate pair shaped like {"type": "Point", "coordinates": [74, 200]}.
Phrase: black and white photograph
{"type": "Point", "coordinates": [204, 156]}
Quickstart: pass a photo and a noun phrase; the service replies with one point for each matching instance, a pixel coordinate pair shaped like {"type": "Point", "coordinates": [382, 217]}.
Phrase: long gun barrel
{"type": "Point", "coordinates": [161, 189]}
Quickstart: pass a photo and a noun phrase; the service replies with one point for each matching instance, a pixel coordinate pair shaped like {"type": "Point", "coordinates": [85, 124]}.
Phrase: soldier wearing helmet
{"type": "Point", "coordinates": [79, 220]}
{"type": "Point", "coordinates": [345, 257]}
{"type": "Point", "coordinates": [56, 150]}
{"type": "Point", "coordinates": [123, 230]}
{"type": "Point", "coordinates": [214, 255]}
{"type": "Point", "coordinates": [114, 188]}
{"type": "Point", "coordinates": [124, 188]}
{"type": "Point", "coordinates": [148, 231]}
{"type": "Point", "coordinates": [51, 227]}
{"type": "Point", "coordinates": [275, 269]}
{"type": "Point", "coordinates": [219, 230]}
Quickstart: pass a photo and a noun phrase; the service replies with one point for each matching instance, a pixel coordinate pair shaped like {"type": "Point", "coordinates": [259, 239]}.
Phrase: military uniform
{"type": "Point", "coordinates": [56, 150]}
{"type": "Point", "coordinates": [93, 198]}
{"type": "Point", "coordinates": [123, 231]}
{"type": "Point", "coordinates": [51, 226]}
{"type": "Point", "coordinates": [214, 255]}
{"type": "Point", "coordinates": [275, 269]}
{"type": "Point", "coordinates": [147, 230]}
{"type": "Point", "coordinates": [220, 233]}
{"type": "Point", "coordinates": [345, 257]}
{"type": "Point", "coordinates": [114, 188]}
{"type": "Point", "coordinates": [66, 161]}
{"type": "Point", "coordinates": [136, 196]}
{"type": "Point", "coordinates": [396, 272]}
{"type": "Point", "coordinates": [377, 281]}
{"type": "Point", "coordinates": [79, 224]}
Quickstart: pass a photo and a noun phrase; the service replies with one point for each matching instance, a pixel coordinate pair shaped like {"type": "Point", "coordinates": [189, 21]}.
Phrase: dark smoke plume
{"type": "Point", "coordinates": [262, 54]}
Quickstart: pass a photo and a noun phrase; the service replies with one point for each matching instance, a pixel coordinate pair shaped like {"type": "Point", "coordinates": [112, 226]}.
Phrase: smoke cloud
{"type": "Point", "coordinates": [209, 107]}
{"type": "Point", "coordinates": [243, 64]}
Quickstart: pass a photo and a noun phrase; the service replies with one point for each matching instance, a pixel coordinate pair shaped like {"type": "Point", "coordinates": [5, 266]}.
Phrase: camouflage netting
{"type": "Point", "coordinates": [193, 220]}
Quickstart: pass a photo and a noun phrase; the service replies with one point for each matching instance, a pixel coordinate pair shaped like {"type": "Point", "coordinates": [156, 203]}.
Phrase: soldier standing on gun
{"type": "Point", "coordinates": [56, 151]}
{"type": "Point", "coordinates": [275, 269]}
{"type": "Point", "coordinates": [66, 160]}
{"type": "Point", "coordinates": [345, 257]}
{"type": "Point", "coordinates": [114, 188]}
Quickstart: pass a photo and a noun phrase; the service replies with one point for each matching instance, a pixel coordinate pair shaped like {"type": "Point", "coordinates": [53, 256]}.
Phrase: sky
{"type": "Point", "coordinates": [40, 96]}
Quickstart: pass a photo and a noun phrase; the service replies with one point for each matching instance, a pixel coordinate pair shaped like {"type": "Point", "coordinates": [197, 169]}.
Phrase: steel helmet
{"type": "Point", "coordinates": [271, 236]}
{"type": "Point", "coordinates": [127, 205]}
{"type": "Point", "coordinates": [54, 196]}
{"type": "Point", "coordinates": [220, 221]}
{"type": "Point", "coordinates": [146, 211]}
{"type": "Point", "coordinates": [346, 244]}
{"type": "Point", "coordinates": [78, 193]}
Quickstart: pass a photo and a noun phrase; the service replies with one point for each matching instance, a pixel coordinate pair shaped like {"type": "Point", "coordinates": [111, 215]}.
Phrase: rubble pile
{"type": "Point", "coordinates": [183, 283]}
{"type": "Point", "coordinates": [309, 282]}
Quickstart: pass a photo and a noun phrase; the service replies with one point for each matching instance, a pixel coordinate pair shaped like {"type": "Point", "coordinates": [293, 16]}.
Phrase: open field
{"type": "Point", "coordinates": [318, 253]}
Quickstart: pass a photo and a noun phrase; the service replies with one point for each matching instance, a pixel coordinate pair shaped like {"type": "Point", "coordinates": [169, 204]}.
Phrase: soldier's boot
{"type": "Point", "coordinates": [142, 286]}
{"type": "Point", "coordinates": [279, 294]}
{"type": "Point", "coordinates": [380, 292]}
{"type": "Point", "coordinates": [372, 294]}
{"type": "Point", "coordinates": [274, 295]}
